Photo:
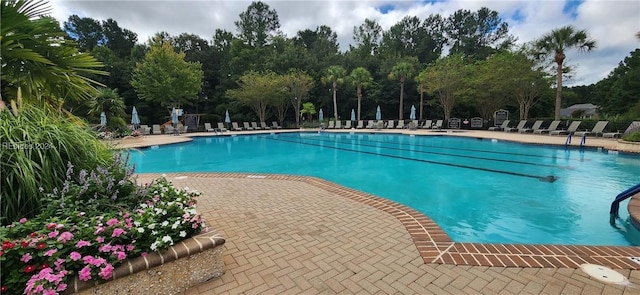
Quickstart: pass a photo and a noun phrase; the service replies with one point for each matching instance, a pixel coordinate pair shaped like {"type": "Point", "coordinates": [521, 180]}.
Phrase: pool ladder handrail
{"type": "Point", "coordinates": [615, 205]}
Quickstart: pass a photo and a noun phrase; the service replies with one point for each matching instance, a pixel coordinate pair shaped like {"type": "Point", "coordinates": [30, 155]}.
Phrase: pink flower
{"type": "Point", "coordinates": [50, 252]}
{"type": "Point", "coordinates": [51, 225]}
{"type": "Point", "coordinates": [23, 220]}
{"type": "Point", "coordinates": [75, 256]}
{"type": "Point", "coordinates": [61, 287]}
{"type": "Point", "coordinates": [100, 239]}
{"type": "Point", "coordinates": [105, 248]}
{"type": "Point", "coordinates": [106, 271]}
{"type": "Point", "coordinates": [65, 237]}
{"type": "Point", "coordinates": [59, 263]}
{"type": "Point", "coordinates": [85, 274]}
{"type": "Point", "coordinates": [121, 255]}
{"type": "Point", "coordinates": [112, 222]}
{"type": "Point", "coordinates": [82, 243]}
{"type": "Point", "coordinates": [117, 232]}
{"type": "Point", "coordinates": [26, 257]}
{"type": "Point", "coordinates": [144, 254]}
{"type": "Point", "coordinates": [99, 230]}
{"type": "Point", "coordinates": [130, 247]}
{"type": "Point", "coordinates": [53, 234]}
{"type": "Point", "coordinates": [49, 291]}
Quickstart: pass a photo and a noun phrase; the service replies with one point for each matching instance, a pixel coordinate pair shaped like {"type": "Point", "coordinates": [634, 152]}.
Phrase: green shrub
{"type": "Point", "coordinates": [35, 147]}
{"type": "Point", "coordinates": [633, 136]}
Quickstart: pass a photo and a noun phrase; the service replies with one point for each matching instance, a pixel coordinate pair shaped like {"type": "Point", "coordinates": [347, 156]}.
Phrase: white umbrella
{"type": "Point", "coordinates": [353, 115]}
{"type": "Point", "coordinates": [135, 120]}
{"type": "Point", "coordinates": [174, 116]}
{"type": "Point", "coordinates": [413, 113]}
{"type": "Point", "coordinates": [103, 119]}
{"type": "Point", "coordinates": [321, 116]}
{"type": "Point", "coordinates": [378, 114]}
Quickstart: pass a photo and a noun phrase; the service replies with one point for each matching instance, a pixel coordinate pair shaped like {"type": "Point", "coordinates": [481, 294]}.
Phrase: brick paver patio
{"type": "Point", "coordinates": [287, 235]}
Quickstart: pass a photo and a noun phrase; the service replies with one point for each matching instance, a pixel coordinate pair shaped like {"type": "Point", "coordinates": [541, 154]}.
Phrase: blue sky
{"type": "Point", "coordinates": [612, 24]}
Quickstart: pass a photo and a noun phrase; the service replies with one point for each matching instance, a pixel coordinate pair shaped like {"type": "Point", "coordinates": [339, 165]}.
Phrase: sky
{"type": "Point", "coordinates": [612, 23]}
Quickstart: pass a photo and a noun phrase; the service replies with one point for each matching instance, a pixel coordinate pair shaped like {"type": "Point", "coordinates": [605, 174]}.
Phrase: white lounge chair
{"type": "Point", "coordinates": [370, 124]}
{"type": "Point", "coordinates": [264, 125]}
{"type": "Point", "coordinates": [332, 125]}
{"type": "Point", "coordinates": [635, 125]}
{"type": "Point", "coordinates": [597, 130]}
{"type": "Point", "coordinates": [347, 124]}
{"type": "Point", "coordinates": [517, 128]}
{"type": "Point", "coordinates": [255, 126]}
{"type": "Point", "coordinates": [390, 124]}
{"type": "Point", "coordinates": [275, 125]}
{"type": "Point", "coordinates": [536, 126]}
{"type": "Point", "coordinates": [438, 125]}
{"type": "Point", "coordinates": [208, 128]}
{"type": "Point", "coordinates": [156, 129]}
{"type": "Point", "coordinates": [400, 124]}
{"type": "Point", "coordinates": [572, 128]}
{"type": "Point", "coordinates": [427, 124]}
{"type": "Point", "coordinates": [234, 126]}
{"type": "Point", "coordinates": [245, 126]}
{"type": "Point", "coordinates": [504, 125]}
{"type": "Point", "coordinates": [221, 127]}
{"type": "Point", "coordinates": [552, 127]}
{"type": "Point", "coordinates": [360, 124]}
{"type": "Point", "coordinates": [338, 124]}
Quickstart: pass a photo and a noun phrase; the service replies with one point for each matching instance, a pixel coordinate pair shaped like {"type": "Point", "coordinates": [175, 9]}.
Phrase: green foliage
{"type": "Point", "coordinates": [447, 79]}
{"type": "Point", "coordinates": [257, 23]}
{"type": "Point", "coordinates": [361, 78]}
{"type": "Point", "coordinates": [554, 45]}
{"type": "Point", "coordinates": [258, 91]}
{"type": "Point", "coordinates": [335, 75]}
{"type": "Point", "coordinates": [37, 58]}
{"type": "Point", "coordinates": [401, 72]}
{"type": "Point", "coordinates": [165, 78]}
{"type": "Point", "coordinates": [298, 83]}
{"type": "Point", "coordinates": [621, 89]}
{"type": "Point", "coordinates": [634, 136]}
{"type": "Point", "coordinates": [36, 146]}
{"type": "Point", "coordinates": [309, 109]}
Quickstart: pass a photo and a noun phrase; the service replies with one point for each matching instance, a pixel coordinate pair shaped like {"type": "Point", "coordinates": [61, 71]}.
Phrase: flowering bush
{"type": "Point", "coordinates": [90, 227]}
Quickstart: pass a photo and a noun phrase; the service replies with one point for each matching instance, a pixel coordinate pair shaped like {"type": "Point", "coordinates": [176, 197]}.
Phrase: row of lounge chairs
{"type": "Point", "coordinates": [245, 126]}
{"type": "Point", "coordinates": [389, 124]}
{"type": "Point", "coordinates": [552, 129]}
{"type": "Point", "coordinates": [156, 129]}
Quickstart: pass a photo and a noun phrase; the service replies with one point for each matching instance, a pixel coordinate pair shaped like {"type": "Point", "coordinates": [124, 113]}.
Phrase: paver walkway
{"type": "Point", "coordinates": [289, 237]}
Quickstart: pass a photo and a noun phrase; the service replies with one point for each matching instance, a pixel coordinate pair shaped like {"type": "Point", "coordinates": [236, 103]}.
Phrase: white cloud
{"type": "Point", "coordinates": [612, 24]}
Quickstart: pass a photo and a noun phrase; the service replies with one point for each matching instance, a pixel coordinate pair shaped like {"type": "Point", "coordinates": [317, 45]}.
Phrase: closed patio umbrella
{"type": "Point", "coordinates": [412, 116]}
{"type": "Point", "coordinates": [378, 114]}
{"type": "Point", "coordinates": [135, 120]}
{"type": "Point", "coordinates": [103, 119]}
{"type": "Point", "coordinates": [321, 115]}
{"type": "Point", "coordinates": [227, 119]}
{"type": "Point", "coordinates": [353, 115]}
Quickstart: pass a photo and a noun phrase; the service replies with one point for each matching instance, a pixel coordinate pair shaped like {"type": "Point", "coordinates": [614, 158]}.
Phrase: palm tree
{"type": "Point", "coordinates": [401, 71]}
{"type": "Point", "coordinates": [335, 75]}
{"type": "Point", "coordinates": [37, 58]}
{"type": "Point", "coordinates": [556, 43]}
{"type": "Point", "coordinates": [108, 101]}
{"type": "Point", "coordinates": [361, 78]}
{"type": "Point", "coordinates": [421, 89]}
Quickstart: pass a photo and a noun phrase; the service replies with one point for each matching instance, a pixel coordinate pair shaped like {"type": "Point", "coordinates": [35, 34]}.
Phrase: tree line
{"type": "Point", "coordinates": [258, 73]}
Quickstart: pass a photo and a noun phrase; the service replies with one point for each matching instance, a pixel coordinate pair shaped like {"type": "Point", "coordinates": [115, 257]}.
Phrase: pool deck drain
{"type": "Point", "coordinates": [298, 234]}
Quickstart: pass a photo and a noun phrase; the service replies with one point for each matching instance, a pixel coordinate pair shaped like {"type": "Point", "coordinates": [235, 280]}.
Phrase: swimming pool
{"type": "Point", "coordinates": [477, 190]}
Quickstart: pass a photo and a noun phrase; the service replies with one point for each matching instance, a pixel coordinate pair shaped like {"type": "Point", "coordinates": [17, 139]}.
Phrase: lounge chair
{"type": "Point", "coordinates": [536, 126]}
{"type": "Point", "coordinates": [275, 125]}
{"type": "Point", "coordinates": [254, 125]}
{"type": "Point", "coordinates": [332, 125]}
{"type": "Point", "coordinates": [221, 127]}
{"type": "Point", "coordinates": [552, 127]}
{"type": "Point", "coordinates": [427, 124]}
{"type": "Point", "coordinates": [360, 124]}
{"type": "Point", "coordinates": [145, 130]}
{"type": "Point", "coordinates": [234, 126]}
{"type": "Point", "coordinates": [347, 124]}
{"type": "Point", "coordinates": [400, 124]}
{"type": "Point", "coordinates": [597, 130]}
{"type": "Point", "coordinates": [245, 126]}
{"type": "Point", "coordinates": [207, 127]}
{"type": "Point", "coordinates": [504, 125]}
{"type": "Point", "coordinates": [520, 126]}
{"type": "Point", "coordinates": [572, 128]}
{"type": "Point", "coordinates": [338, 124]}
{"type": "Point", "coordinates": [370, 124]}
{"type": "Point", "coordinates": [156, 129]}
{"type": "Point", "coordinates": [182, 129]}
{"type": "Point", "coordinates": [264, 125]}
{"type": "Point", "coordinates": [390, 124]}
{"type": "Point", "coordinates": [635, 125]}
{"type": "Point", "coordinates": [169, 129]}
{"type": "Point", "coordinates": [438, 125]}
{"type": "Point", "coordinates": [415, 124]}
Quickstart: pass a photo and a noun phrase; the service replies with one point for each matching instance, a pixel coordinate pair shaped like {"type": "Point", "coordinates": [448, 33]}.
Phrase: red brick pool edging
{"type": "Point", "coordinates": [435, 246]}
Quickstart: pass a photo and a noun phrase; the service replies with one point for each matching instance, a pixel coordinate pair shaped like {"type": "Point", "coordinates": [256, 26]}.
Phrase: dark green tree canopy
{"type": "Point", "coordinates": [256, 24]}
{"type": "Point", "coordinates": [477, 34]}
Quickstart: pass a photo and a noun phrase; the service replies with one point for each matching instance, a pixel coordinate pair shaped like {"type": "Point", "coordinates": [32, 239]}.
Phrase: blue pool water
{"type": "Point", "coordinates": [476, 190]}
